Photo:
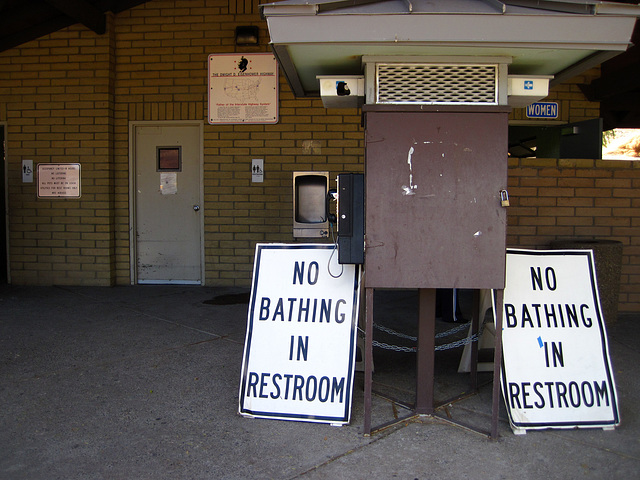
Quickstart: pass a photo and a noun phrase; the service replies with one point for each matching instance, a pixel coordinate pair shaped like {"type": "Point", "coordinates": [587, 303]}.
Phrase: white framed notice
{"type": "Point", "coordinates": [556, 371]}
{"type": "Point", "coordinates": [300, 347]}
{"type": "Point", "coordinates": [243, 88]}
{"type": "Point", "coordinates": [59, 180]}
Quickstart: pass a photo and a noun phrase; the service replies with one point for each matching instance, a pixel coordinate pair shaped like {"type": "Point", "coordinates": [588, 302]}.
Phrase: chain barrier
{"type": "Point", "coordinates": [446, 346]}
{"type": "Point", "coordinates": [393, 332]}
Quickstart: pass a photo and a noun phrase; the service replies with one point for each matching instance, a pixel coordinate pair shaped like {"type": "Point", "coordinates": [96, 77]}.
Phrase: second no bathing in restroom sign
{"type": "Point", "coordinates": [243, 88]}
{"type": "Point", "coordinates": [556, 371]}
{"type": "Point", "coordinates": [299, 354]}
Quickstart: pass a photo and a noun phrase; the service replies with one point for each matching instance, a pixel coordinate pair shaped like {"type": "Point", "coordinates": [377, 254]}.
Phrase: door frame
{"type": "Point", "coordinates": [4, 164]}
{"type": "Point", "coordinates": [133, 251]}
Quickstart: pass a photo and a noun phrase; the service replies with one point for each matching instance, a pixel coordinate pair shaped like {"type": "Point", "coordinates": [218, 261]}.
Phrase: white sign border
{"type": "Point", "coordinates": [334, 420]}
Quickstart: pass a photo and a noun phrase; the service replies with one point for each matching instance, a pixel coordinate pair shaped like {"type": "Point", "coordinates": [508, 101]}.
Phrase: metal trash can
{"type": "Point", "coordinates": [607, 256]}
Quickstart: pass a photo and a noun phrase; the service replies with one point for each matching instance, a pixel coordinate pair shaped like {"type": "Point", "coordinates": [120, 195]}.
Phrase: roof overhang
{"type": "Point", "coordinates": [21, 21]}
{"type": "Point", "coordinates": [536, 37]}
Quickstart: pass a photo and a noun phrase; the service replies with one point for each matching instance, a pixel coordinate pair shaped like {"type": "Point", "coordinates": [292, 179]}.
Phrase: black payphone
{"type": "Point", "coordinates": [350, 218]}
{"type": "Point", "coordinates": [312, 217]}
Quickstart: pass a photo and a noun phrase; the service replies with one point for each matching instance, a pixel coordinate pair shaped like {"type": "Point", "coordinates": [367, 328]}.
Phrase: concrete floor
{"type": "Point", "coordinates": [142, 383]}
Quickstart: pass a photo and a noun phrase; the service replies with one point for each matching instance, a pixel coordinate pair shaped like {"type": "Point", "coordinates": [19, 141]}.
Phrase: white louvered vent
{"type": "Point", "coordinates": [436, 84]}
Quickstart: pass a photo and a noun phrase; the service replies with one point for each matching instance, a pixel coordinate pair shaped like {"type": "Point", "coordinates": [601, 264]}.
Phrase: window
{"type": "Point", "coordinates": [169, 159]}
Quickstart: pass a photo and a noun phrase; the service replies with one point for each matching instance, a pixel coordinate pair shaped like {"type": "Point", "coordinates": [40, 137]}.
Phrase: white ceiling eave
{"type": "Point", "coordinates": [326, 37]}
{"type": "Point", "coordinates": [341, 7]}
{"type": "Point", "coordinates": [610, 32]}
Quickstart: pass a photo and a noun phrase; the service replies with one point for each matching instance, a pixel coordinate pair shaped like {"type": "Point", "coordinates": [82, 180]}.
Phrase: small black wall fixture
{"type": "Point", "coordinates": [246, 35]}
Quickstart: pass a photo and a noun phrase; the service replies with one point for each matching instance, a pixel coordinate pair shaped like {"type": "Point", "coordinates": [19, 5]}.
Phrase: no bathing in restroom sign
{"type": "Point", "coordinates": [556, 371]}
{"type": "Point", "coordinates": [300, 346]}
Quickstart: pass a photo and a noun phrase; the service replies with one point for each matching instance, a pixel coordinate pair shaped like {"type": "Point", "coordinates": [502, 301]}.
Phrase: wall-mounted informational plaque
{"type": "Point", "coordinates": [59, 180]}
{"type": "Point", "coordinates": [243, 88]}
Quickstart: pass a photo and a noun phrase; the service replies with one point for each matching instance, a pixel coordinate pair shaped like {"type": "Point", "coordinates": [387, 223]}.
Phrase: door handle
{"type": "Point", "coordinates": [196, 208]}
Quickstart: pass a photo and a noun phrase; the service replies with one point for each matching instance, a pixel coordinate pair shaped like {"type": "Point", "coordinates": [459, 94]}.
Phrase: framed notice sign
{"type": "Point", "coordinates": [300, 348]}
{"type": "Point", "coordinates": [243, 88]}
{"type": "Point", "coordinates": [59, 180]}
{"type": "Point", "coordinates": [556, 371]}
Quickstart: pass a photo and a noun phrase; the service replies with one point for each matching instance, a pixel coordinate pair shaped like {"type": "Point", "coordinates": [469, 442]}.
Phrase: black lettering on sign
{"type": "Point", "coordinates": [574, 394]}
{"type": "Point", "coordinates": [585, 320]}
{"type": "Point", "coordinates": [251, 384]}
{"type": "Point", "coordinates": [307, 310]}
{"type": "Point", "coordinates": [302, 350]}
{"type": "Point", "coordinates": [296, 387]}
{"type": "Point", "coordinates": [549, 277]}
{"type": "Point", "coordinates": [264, 308]}
{"type": "Point", "coordinates": [509, 315]}
{"type": "Point", "coordinates": [556, 354]}
{"type": "Point", "coordinates": [339, 316]}
{"type": "Point", "coordinates": [276, 393]}
{"type": "Point", "coordinates": [551, 315]}
{"type": "Point", "coordinates": [298, 383]}
{"type": "Point", "coordinates": [312, 273]}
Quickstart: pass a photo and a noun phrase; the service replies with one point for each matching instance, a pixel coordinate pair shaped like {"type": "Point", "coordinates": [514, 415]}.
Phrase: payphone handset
{"type": "Point", "coordinates": [332, 196]}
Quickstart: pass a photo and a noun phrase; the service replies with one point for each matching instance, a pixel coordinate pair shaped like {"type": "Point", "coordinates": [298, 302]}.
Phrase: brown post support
{"type": "Point", "coordinates": [475, 321]}
{"type": "Point", "coordinates": [497, 361]}
{"type": "Point", "coordinates": [426, 351]}
{"type": "Point", "coordinates": [368, 359]}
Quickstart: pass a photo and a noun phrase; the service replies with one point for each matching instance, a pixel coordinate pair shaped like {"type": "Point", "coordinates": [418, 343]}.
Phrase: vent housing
{"type": "Point", "coordinates": [437, 84]}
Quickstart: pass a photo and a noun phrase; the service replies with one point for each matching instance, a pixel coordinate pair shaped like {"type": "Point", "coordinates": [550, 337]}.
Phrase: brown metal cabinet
{"type": "Point", "coordinates": [434, 217]}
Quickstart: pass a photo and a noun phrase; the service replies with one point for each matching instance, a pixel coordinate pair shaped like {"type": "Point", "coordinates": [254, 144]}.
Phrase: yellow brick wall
{"type": "Point", "coordinates": [56, 96]}
{"type": "Point", "coordinates": [587, 199]}
{"type": "Point", "coordinates": [162, 50]}
{"type": "Point", "coordinates": [70, 97]}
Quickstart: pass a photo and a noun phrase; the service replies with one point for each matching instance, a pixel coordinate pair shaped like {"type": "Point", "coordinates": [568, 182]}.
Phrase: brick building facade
{"type": "Point", "coordinates": [71, 97]}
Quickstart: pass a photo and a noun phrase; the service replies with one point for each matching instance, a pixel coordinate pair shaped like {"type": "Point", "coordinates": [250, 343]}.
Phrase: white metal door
{"type": "Point", "coordinates": [168, 225]}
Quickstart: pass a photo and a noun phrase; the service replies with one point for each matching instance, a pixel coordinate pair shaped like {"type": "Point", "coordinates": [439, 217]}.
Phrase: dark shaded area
{"type": "Point", "coordinates": [229, 299]}
{"type": "Point", "coordinates": [21, 21]}
{"type": "Point", "coordinates": [618, 89]}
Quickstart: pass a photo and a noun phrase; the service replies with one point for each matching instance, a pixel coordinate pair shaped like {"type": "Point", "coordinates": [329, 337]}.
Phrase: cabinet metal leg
{"type": "Point", "coordinates": [426, 351]}
{"type": "Point", "coordinates": [368, 359]}
{"type": "Point", "coordinates": [497, 361]}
